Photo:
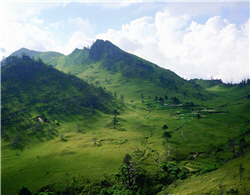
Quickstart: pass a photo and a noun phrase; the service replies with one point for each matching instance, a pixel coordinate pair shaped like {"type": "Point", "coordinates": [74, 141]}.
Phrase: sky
{"type": "Point", "coordinates": [195, 39]}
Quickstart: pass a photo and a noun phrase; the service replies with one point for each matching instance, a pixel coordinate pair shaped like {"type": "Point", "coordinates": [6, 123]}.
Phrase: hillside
{"type": "Point", "coordinates": [31, 88]}
{"type": "Point", "coordinates": [106, 65]}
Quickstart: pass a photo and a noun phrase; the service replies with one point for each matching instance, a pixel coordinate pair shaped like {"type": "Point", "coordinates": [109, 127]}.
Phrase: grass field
{"type": "Point", "coordinates": [72, 157]}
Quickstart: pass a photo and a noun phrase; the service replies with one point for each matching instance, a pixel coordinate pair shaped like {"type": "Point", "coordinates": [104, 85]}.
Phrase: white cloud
{"type": "Point", "coordinates": [111, 4]}
{"type": "Point", "coordinates": [217, 48]}
{"type": "Point", "coordinates": [82, 24]}
{"type": "Point", "coordinates": [78, 40]}
{"type": "Point", "coordinates": [18, 35]}
{"type": "Point", "coordinates": [18, 27]}
{"type": "Point", "coordinates": [22, 11]}
{"type": "Point", "coordinates": [56, 25]}
{"type": "Point", "coordinates": [37, 21]}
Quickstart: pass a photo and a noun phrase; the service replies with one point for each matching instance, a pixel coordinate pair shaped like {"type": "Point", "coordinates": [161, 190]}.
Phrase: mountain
{"type": "Point", "coordinates": [44, 55]}
{"type": "Point", "coordinates": [106, 65]}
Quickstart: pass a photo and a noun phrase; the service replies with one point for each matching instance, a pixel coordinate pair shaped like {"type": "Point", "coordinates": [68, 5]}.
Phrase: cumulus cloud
{"type": "Point", "coordinates": [78, 40]}
{"type": "Point", "coordinates": [19, 35]}
{"type": "Point", "coordinates": [19, 22]}
{"type": "Point", "coordinates": [217, 49]}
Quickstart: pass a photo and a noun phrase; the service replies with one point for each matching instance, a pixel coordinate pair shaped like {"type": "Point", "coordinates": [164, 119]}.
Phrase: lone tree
{"type": "Point", "coordinates": [115, 112]}
{"type": "Point", "coordinates": [94, 139]}
{"type": "Point", "coordinates": [115, 121]}
{"type": "Point", "coordinates": [164, 127]}
{"type": "Point", "coordinates": [232, 144]}
{"type": "Point", "coordinates": [241, 169]}
{"type": "Point", "coordinates": [199, 117]}
{"type": "Point", "coordinates": [166, 135]}
{"type": "Point", "coordinates": [129, 172]}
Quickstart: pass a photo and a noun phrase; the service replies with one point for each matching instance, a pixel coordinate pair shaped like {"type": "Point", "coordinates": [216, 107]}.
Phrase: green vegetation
{"type": "Point", "coordinates": [63, 135]}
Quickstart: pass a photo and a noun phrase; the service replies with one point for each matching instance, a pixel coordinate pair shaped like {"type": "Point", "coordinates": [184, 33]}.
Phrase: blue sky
{"type": "Point", "coordinates": [194, 39]}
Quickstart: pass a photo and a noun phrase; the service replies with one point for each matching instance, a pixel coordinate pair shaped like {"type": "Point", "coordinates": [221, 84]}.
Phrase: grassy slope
{"type": "Point", "coordinates": [137, 130]}
{"type": "Point", "coordinates": [220, 181]}
{"type": "Point", "coordinates": [232, 121]}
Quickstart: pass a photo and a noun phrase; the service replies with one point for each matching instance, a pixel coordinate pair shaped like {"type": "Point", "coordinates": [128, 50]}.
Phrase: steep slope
{"type": "Point", "coordinates": [33, 89]}
{"type": "Point", "coordinates": [107, 65]}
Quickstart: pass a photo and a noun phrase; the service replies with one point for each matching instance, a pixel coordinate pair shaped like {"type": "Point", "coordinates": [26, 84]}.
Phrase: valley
{"type": "Point", "coordinates": [100, 104]}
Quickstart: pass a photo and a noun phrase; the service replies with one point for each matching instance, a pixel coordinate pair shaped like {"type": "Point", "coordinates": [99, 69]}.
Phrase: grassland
{"type": "Point", "coordinates": [72, 159]}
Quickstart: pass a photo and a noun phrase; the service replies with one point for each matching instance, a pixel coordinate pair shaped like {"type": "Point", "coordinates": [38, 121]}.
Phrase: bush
{"type": "Point", "coordinates": [24, 191]}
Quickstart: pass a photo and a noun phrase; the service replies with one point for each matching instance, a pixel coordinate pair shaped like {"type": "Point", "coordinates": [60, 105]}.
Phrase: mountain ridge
{"type": "Point", "coordinates": [106, 64]}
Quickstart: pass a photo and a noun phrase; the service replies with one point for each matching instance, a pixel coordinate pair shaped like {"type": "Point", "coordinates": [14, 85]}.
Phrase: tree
{"type": "Point", "coordinates": [232, 144]}
{"type": "Point", "coordinates": [164, 127]}
{"type": "Point", "coordinates": [161, 100]}
{"type": "Point", "coordinates": [156, 99]}
{"type": "Point", "coordinates": [115, 112]}
{"type": "Point", "coordinates": [166, 135]}
{"type": "Point", "coordinates": [122, 98]}
{"type": "Point", "coordinates": [24, 191]}
{"type": "Point", "coordinates": [115, 121]}
{"type": "Point", "coordinates": [241, 170]}
{"type": "Point", "coordinates": [129, 172]}
{"type": "Point", "coordinates": [199, 117]}
{"type": "Point", "coordinates": [94, 139]}
{"type": "Point", "coordinates": [97, 83]}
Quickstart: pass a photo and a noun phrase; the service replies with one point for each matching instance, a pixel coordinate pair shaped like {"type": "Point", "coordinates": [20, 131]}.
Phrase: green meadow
{"type": "Point", "coordinates": [73, 159]}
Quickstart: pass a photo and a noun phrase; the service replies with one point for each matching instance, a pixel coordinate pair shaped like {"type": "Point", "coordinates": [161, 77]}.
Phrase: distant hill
{"type": "Point", "coordinates": [106, 65]}
{"type": "Point", "coordinates": [206, 83]}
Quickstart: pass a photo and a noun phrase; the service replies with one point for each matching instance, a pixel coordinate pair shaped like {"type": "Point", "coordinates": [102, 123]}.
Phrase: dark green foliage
{"type": "Point", "coordinates": [115, 112]}
{"type": "Point", "coordinates": [129, 173]}
{"type": "Point", "coordinates": [188, 104]}
{"type": "Point", "coordinates": [198, 116]}
{"type": "Point", "coordinates": [209, 168]}
{"type": "Point", "coordinates": [166, 135]}
{"type": "Point", "coordinates": [24, 191]}
{"type": "Point", "coordinates": [233, 192]}
{"type": "Point", "coordinates": [171, 172]}
{"type": "Point", "coordinates": [30, 86]}
{"type": "Point", "coordinates": [175, 100]}
{"type": "Point", "coordinates": [46, 192]}
{"type": "Point", "coordinates": [164, 127]}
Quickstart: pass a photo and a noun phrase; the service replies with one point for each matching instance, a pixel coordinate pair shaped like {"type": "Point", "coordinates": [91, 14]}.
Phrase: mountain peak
{"type": "Point", "coordinates": [29, 52]}
{"type": "Point", "coordinates": [101, 49]}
